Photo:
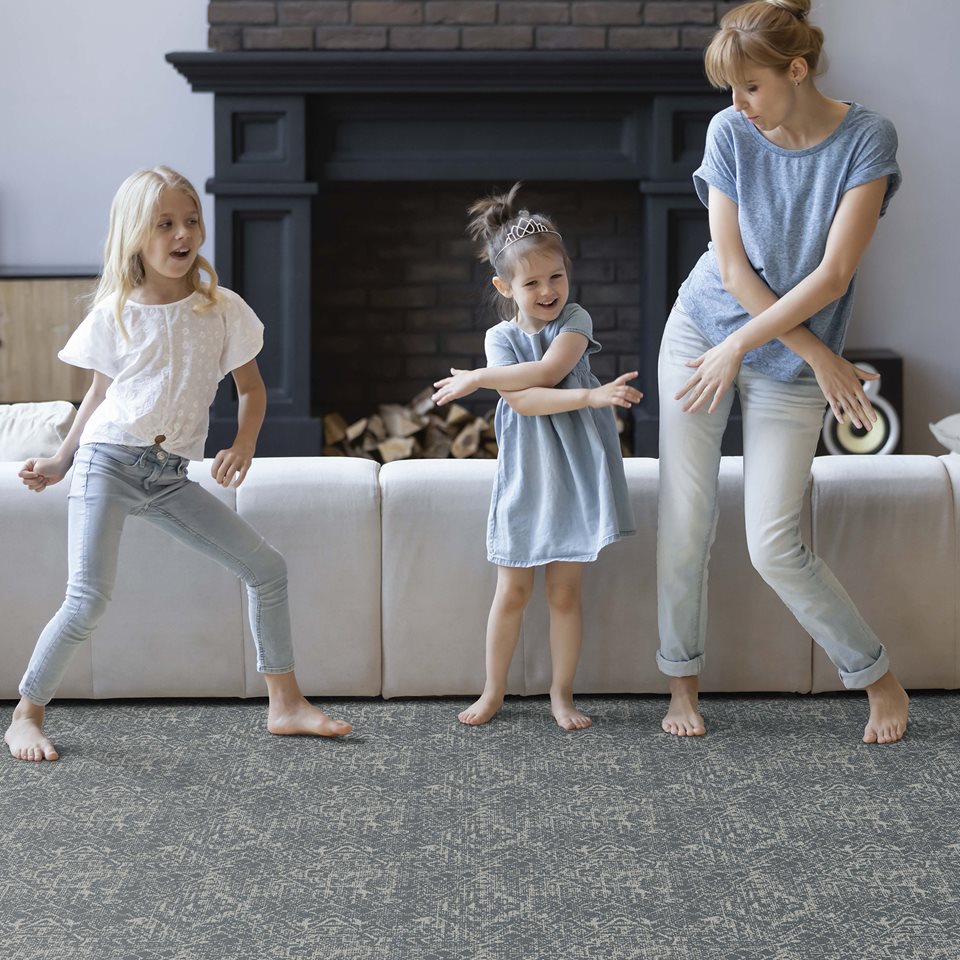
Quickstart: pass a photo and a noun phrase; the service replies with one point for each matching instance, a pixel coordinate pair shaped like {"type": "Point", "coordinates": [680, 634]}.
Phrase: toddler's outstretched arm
{"type": "Point", "coordinates": [542, 401]}
{"type": "Point", "coordinates": [561, 357]}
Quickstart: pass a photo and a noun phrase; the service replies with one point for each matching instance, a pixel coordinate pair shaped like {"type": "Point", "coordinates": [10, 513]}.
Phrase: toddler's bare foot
{"type": "Point", "coordinates": [566, 714]}
{"type": "Point", "coordinates": [25, 736]}
{"type": "Point", "coordinates": [683, 716]}
{"type": "Point", "coordinates": [482, 710]}
{"type": "Point", "coordinates": [889, 704]}
{"type": "Point", "coordinates": [304, 719]}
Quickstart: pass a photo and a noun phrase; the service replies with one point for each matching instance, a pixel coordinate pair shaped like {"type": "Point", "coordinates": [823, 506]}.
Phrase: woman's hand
{"type": "Point", "coordinates": [230, 463]}
{"type": "Point", "coordinates": [459, 384]}
{"type": "Point", "coordinates": [41, 472]}
{"type": "Point", "coordinates": [716, 371]}
{"type": "Point", "coordinates": [840, 382]}
{"type": "Point", "coordinates": [616, 393]}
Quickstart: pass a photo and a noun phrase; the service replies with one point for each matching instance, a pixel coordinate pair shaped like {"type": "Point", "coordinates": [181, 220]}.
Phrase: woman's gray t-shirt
{"type": "Point", "coordinates": [786, 201]}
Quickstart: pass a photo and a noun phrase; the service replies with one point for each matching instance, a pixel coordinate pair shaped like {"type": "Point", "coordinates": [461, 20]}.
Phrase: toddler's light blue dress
{"type": "Point", "coordinates": [560, 492]}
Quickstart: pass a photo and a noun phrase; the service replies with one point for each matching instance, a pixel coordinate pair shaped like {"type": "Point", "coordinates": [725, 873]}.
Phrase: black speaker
{"type": "Point", "coordinates": [886, 395]}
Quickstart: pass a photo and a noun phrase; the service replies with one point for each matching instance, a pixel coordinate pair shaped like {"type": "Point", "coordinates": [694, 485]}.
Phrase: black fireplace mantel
{"type": "Point", "coordinates": [290, 124]}
{"type": "Point", "coordinates": [540, 71]}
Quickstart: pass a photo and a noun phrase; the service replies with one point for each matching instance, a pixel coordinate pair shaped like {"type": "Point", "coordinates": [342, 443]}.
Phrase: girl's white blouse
{"type": "Point", "coordinates": [165, 372]}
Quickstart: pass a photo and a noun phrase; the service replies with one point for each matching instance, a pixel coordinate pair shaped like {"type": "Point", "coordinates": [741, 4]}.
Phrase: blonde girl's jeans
{"type": "Point", "coordinates": [112, 482]}
{"type": "Point", "coordinates": [781, 425]}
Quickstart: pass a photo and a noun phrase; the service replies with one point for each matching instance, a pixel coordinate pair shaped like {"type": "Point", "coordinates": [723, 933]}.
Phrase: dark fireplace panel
{"type": "Point", "coordinates": [341, 189]}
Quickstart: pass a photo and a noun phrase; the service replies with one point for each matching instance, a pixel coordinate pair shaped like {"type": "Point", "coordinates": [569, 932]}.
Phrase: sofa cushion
{"type": "Point", "coordinates": [33, 429]}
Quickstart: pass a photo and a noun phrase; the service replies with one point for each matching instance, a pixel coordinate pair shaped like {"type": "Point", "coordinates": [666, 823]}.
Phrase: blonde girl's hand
{"type": "Point", "coordinates": [616, 393]}
{"type": "Point", "coordinates": [39, 473]}
{"type": "Point", "coordinates": [840, 382]}
{"type": "Point", "coordinates": [716, 371]}
{"type": "Point", "coordinates": [459, 384]}
{"type": "Point", "coordinates": [231, 463]}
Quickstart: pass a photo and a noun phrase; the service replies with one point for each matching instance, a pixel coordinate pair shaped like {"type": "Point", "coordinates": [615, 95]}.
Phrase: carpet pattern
{"type": "Point", "coordinates": [180, 830]}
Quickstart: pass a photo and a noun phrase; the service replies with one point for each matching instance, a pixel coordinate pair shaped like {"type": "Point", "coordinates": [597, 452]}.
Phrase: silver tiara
{"type": "Point", "coordinates": [524, 227]}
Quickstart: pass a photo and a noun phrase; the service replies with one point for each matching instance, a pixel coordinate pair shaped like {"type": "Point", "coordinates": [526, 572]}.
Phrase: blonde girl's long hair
{"type": "Point", "coordinates": [767, 33]}
{"type": "Point", "coordinates": [132, 220]}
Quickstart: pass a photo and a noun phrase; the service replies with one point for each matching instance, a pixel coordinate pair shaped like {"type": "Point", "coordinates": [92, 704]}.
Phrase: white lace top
{"type": "Point", "coordinates": [165, 374]}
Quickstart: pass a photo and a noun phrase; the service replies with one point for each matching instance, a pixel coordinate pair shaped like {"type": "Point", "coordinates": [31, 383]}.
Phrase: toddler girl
{"type": "Point", "coordinates": [158, 340]}
{"type": "Point", "coordinates": [560, 495]}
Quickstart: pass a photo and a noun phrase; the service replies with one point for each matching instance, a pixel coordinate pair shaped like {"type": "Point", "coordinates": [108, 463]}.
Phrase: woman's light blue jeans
{"type": "Point", "coordinates": [110, 483]}
{"type": "Point", "coordinates": [781, 425]}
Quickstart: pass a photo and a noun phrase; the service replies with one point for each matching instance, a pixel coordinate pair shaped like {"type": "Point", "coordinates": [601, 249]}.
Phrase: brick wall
{"type": "Point", "coordinates": [401, 296]}
{"type": "Point", "coordinates": [462, 24]}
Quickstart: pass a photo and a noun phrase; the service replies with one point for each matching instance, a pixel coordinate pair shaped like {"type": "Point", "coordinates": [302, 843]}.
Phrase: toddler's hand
{"type": "Point", "coordinates": [41, 472]}
{"type": "Point", "coordinates": [459, 384]}
{"type": "Point", "coordinates": [229, 463]}
{"type": "Point", "coordinates": [616, 393]}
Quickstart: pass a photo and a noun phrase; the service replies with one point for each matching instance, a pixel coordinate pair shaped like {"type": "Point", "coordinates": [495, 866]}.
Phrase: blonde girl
{"type": "Point", "coordinates": [795, 184]}
{"type": "Point", "coordinates": [158, 339]}
{"type": "Point", "coordinates": [560, 495]}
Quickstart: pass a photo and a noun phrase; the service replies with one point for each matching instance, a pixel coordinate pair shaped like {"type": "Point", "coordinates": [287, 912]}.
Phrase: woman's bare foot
{"type": "Point", "coordinates": [304, 719]}
{"type": "Point", "coordinates": [566, 714]}
{"type": "Point", "coordinates": [889, 705]}
{"type": "Point", "coordinates": [482, 710]}
{"type": "Point", "coordinates": [25, 736]}
{"type": "Point", "coordinates": [683, 716]}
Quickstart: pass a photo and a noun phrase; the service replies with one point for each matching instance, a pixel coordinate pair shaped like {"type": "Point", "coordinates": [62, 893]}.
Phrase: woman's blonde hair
{"type": "Point", "coordinates": [766, 33]}
{"type": "Point", "coordinates": [132, 220]}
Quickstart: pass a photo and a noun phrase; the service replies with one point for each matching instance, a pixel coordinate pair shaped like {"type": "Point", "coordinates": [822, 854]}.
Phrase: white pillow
{"type": "Point", "coordinates": [947, 431]}
{"type": "Point", "coordinates": [33, 429]}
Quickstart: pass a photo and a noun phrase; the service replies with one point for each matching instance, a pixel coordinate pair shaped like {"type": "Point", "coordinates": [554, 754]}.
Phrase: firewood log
{"type": "Point", "coordinates": [468, 440]}
{"type": "Point", "coordinates": [401, 421]}
{"type": "Point", "coordinates": [457, 414]}
{"type": "Point", "coordinates": [355, 430]}
{"type": "Point", "coordinates": [436, 443]}
{"type": "Point", "coordinates": [376, 428]}
{"type": "Point", "coordinates": [396, 448]}
{"type": "Point", "coordinates": [334, 428]}
{"type": "Point", "coordinates": [422, 403]}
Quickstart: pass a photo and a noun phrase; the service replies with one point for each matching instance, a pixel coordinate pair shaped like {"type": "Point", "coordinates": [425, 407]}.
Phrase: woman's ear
{"type": "Point", "coordinates": [799, 70]}
{"type": "Point", "coordinates": [503, 288]}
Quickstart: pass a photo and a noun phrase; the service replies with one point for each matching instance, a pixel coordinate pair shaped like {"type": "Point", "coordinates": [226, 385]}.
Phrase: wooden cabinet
{"type": "Point", "coordinates": [37, 316]}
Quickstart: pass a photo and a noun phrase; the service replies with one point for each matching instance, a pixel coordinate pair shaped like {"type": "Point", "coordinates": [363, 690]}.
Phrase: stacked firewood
{"type": "Point", "coordinates": [419, 429]}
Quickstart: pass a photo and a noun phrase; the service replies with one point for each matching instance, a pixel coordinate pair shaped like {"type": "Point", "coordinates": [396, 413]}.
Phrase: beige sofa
{"type": "Point", "coordinates": [390, 586]}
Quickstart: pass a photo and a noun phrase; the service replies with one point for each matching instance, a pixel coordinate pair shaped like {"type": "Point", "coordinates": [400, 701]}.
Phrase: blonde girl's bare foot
{"type": "Point", "coordinates": [304, 719]}
{"type": "Point", "coordinates": [482, 710]}
{"type": "Point", "coordinates": [566, 714]}
{"type": "Point", "coordinates": [683, 715]}
{"type": "Point", "coordinates": [889, 705]}
{"type": "Point", "coordinates": [25, 736]}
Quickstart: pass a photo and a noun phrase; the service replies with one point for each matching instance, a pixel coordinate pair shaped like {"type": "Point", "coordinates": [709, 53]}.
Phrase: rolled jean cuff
{"type": "Point", "coordinates": [24, 692]}
{"type": "Point", "coordinates": [262, 669]}
{"type": "Point", "coordinates": [680, 668]}
{"type": "Point", "coordinates": [863, 678]}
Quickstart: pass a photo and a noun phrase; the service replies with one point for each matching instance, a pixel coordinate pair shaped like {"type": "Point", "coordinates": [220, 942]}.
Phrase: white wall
{"type": "Point", "coordinates": [86, 98]}
{"type": "Point", "coordinates": [900, 58]}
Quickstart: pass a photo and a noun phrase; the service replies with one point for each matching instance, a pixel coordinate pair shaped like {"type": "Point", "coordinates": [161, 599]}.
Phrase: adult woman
{"type": "Point", "coordinates": [795, 183]}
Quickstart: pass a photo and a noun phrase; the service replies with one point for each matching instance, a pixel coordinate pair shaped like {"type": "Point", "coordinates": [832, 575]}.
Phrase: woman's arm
{"type": "Point", "coordinates": [853, 226]}
{"type": "Point", "coordinates": [561, 357]}
{"type": "Point", "coordinates": [39, 472]}
{"type": "Point", "coordinates": [252, 396]}
{"type": "Point", "coordinates": [542, 401]}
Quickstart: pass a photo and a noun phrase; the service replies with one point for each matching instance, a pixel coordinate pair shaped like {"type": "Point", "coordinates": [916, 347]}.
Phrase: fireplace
{"type": "Point", "coordinates": [341, 182]}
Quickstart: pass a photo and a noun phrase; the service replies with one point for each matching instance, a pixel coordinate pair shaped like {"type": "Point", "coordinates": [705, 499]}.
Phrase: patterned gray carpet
{"type": "Point", "coordinates": [182, 831]}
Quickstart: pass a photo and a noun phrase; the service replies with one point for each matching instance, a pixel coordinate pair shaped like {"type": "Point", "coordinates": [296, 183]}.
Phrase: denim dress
{"type": "Point", "coordinates": [560, 492]}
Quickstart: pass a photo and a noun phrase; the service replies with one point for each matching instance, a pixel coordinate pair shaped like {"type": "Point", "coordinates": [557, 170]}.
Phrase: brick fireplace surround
{"type": "Point", "coordinates": [350, 137]}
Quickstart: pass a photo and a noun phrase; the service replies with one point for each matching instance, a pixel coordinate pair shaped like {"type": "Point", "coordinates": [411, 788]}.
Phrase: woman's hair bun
{"type": "Point", "coordinates": [799, 8]}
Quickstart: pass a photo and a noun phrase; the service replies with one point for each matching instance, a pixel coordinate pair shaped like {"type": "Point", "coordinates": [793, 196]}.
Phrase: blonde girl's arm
{"type": "Point", "coordinates": [543, 401]}
{"type": "Point", "coordinates": [252, 396]}
{"type": "Point", "coordinates": [38, 473]}
{"type": "Point", "coordinates": [853, 226]}
{"type": "Point", "coordinates": [561, 357]}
